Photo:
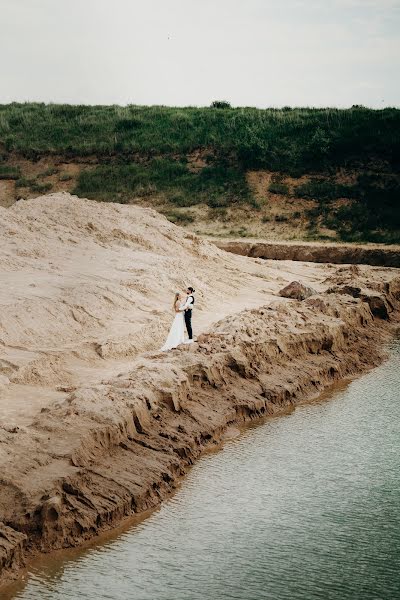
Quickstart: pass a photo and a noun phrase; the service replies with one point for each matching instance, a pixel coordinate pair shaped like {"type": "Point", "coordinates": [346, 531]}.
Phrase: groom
{"type": "Point", "coordinates": [188, 307]}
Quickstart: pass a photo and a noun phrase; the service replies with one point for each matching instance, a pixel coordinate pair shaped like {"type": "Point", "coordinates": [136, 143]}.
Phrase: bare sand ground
{"type": "Point", "coordinates": [97, 424]}
{"type": "Point", "coordinates": [86, 286]}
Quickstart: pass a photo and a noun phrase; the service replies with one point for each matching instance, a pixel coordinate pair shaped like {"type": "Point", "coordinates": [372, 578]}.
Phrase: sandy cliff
{"type": "Point", "coordinates": [95, 423]}
{"type": "Point", "coordinates": [367, 254]}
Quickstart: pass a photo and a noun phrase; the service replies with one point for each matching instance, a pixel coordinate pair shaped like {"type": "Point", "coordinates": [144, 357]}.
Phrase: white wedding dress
{"type": "Point", "coordinates": [176, 334]}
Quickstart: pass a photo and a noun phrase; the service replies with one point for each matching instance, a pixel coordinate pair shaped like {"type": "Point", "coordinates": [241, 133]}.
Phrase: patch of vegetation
{"type": "Point", "coordinates": [8, 172]}
{"type": "Point", "coordinates": [24, 182]}
{"type": "Point", "coordinates": [33, 185]}
{"type": "Point", "coordinates": [40, 188]}
{"type": "Point", "coordinates": [65, 177]}
{"type": "Point", "coordinates": [281, 218]}
{"type": "Point", "coordinates": [219, 185]}
{"type": "Point", "coordinates": [373, 215]}
{"type": "Point", "coordinates": [279, 188]}
{"type": "Point", "coordinates": [324, 189]}
{"type": "Point", "coordinates": [180, 218]}
{"type": "Point", "coordinates": [241, 232]}
{"type": "Point", "coordinates": [220, 104]}
{"type": "Point", "coordinates": [48, 172]}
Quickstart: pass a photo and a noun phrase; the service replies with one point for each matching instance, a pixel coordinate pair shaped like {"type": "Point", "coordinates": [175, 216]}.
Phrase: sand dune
{"type": "Point", "coordinates": [87, 286]}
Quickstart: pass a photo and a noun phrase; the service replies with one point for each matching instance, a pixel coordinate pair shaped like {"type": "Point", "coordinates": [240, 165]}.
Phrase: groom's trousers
{"type": "Point", "coordinates": [188, 322]}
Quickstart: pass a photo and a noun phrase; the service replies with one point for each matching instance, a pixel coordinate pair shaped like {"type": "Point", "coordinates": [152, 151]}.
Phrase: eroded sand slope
{"type": "Point", "coordinates": [86, 286]}
{"type": "Point", "coordinates": [95, 423]}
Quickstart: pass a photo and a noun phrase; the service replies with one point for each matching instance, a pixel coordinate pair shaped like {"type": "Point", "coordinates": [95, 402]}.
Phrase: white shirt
{"type": "Point", "coordinates": [189, 303]}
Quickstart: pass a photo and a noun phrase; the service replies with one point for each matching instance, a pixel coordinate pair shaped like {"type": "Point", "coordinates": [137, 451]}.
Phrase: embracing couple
{"type": "Point", "coordinates": [183, 306]}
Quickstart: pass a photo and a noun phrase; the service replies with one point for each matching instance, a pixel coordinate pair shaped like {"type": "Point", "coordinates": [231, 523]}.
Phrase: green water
{"type": "Point", "coordinates": [303, 507]}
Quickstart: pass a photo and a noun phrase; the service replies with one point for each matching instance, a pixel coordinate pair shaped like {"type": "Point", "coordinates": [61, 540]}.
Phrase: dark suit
{"type": "Point", "coordinates": [188, 320]}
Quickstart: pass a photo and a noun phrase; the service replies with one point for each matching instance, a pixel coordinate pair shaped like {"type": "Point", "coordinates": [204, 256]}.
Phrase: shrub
{"type": "Point", "coordinates": [48, 172]}
{"type": "Point", "coordinates": [278, 188]}
{"type": "Point", "coordinates": [295, 172]}
{"type": "Point", "coordinates": [242, 232]}
{"type": "Point", "coordinates": [24, 182]}
{"type": "Point", "coordinates": [217, 202]}
{"type": "Point", "coordinates": [180, 198]}
{"type": "Point", "coordinates": [40, 187]}
{"type": "Point", "coordinates": [8, 172]}
{"type": "Point", "coordinates": [65, 177]}
{"type": "Point", "coordinates": [220, 104]}
{"type": "Point", "coordinates": [33, 185]}
{"type": "Point", "coordinates": [319, 144]}
{"type": "Point", "coordinates": [281, 218]}
{"type": "Point", "coordinates": [181, 218]}
{"type": "Point", "coordinates": [325, 190]}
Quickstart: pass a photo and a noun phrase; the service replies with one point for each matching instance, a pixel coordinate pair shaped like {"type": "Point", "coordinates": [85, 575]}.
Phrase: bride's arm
{"type": "Point", "coordinates": [188, 303]}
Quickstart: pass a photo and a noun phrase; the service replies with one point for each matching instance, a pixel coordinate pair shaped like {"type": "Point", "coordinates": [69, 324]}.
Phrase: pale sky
{"type": "Point", "coordinates": [190, 52]}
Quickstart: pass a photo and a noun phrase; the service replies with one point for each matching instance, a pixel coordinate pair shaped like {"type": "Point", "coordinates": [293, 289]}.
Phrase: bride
{"type": "Point", "coordinates": [176, 334]}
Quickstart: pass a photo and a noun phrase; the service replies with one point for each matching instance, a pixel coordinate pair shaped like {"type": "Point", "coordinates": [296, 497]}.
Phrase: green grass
{"type": "Point", "coordinates": [300, 139]}
{"type": "Point", "coordinates": [33, 185]}
{"type": "Point", "coordinates": [24, 182]}
{"type": "Point", "coordinates": [40, 188]}
{"type": "Point", "coordinates": [8, 172]}
{"type": "Point", "coordinates": [219, 185]}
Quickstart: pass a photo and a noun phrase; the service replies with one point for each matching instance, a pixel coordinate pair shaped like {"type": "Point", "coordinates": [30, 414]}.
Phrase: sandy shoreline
{"type": "Point", "coordinates": [101, 426]}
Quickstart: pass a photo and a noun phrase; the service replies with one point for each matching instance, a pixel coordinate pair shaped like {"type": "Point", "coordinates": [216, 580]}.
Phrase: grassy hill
{"type": "Point", "coordinates": [227, 171]}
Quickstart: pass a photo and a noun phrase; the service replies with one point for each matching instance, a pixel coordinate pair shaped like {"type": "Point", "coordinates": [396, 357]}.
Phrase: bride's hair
{"type": "Point", "coordinates": [176, 297]}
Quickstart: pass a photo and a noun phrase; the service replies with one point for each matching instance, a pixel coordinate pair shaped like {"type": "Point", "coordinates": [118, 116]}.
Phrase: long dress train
{"type": "Point", "coordinates": [176, 334]}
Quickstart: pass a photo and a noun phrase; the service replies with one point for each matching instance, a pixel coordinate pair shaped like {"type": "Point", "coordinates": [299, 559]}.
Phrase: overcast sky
{"type": "Point", "coordinates": [190, 52]}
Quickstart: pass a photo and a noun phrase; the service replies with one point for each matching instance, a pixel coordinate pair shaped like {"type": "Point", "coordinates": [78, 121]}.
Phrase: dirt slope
{"type": "Point", "coordinates": [355, 254]}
